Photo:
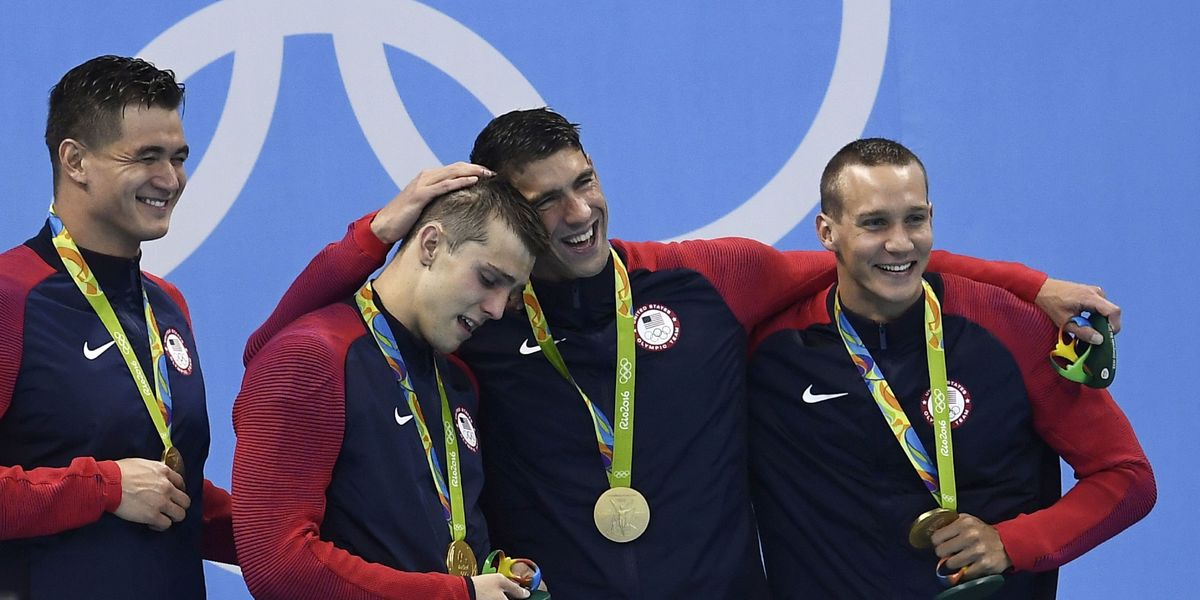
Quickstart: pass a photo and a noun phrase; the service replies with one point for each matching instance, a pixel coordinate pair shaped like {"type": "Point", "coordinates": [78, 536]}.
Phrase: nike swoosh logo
{"type": "Point", "coordinates": [812, 398]}
{"type": "Point", "coordinates": [534, 349]}
{"type": "Point", "coordinates": [399, 419]}
{"type": "Point", "coordinates": [91, 354]}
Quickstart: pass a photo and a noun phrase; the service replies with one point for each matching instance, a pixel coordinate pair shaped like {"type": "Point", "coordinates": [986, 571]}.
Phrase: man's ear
{"type": "Point", "coordinates": [71, 161]}
{"type": "Point", "coordinates": [431, 240]}
{"type": "Point", "coordinates": [825, 231]}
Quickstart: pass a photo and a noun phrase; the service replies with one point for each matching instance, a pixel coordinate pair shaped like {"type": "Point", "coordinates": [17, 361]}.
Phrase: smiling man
{"type": "Point", "coordinates": [358, 466]}
{"type": "Point", "coordinates": [837, 380]}
{"type": "Point", "coordinates": [103, 425]}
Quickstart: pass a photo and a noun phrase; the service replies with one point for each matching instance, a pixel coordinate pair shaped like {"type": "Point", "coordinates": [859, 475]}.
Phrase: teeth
{"type": "Point", "coordinates": [897, 268]}
{"type": "Point", "coordinates": [155, 202]}
{"type": "Point", "coordinates": [469, 323]}
{"type": "Point", "coordinates": [579, 239]}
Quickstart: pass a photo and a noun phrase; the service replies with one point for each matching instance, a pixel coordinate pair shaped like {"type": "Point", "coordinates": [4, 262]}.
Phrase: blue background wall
{"type": "Point", "coordinates": [1060, 135]}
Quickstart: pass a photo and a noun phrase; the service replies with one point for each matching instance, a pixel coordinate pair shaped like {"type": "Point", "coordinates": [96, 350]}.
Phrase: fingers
{"type": "Point", "coordinates": [446, 186]}
{"type": "Point", "coordinates": [512, 590]}
{"type": "Point", "coordinates": [497, 587]}
{"type": "Point", "coordinates": [1110, 310]}
{"type": "Point", "coordinates": [1086, 334]}
{"type": "Point", "coordinates": [176, 479]}
{"type": "Point", "coordinates": [452, 176]}
{"type": "Point", "coordinates": [151, 494]}
{"type": "Point", "coordinates": [969, 542]}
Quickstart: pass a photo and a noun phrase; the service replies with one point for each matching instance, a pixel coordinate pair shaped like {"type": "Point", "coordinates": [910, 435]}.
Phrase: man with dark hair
{"type": "Point", "coordinates": [347, 416]}
{"type": "Point", "coordinates": [104, 448]}
{"type": "Point", "coordinates": [932, 352]}
{"type": "Point", "coordinates": [614, 406]}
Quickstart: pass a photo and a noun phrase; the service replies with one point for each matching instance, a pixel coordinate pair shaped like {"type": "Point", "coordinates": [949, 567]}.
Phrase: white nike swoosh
{"type": "Point", "coordinates": [534, 349]}
{"type": "Point", "coordinates": [401, 420]}
{"type": "Point", "coordinates": [90, 354]}
{"type": "Point", "coordinates": [812, 398]}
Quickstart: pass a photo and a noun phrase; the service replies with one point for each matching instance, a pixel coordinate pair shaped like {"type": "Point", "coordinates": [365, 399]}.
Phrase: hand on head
{"type": "Point", "coordinates": [394, 220]}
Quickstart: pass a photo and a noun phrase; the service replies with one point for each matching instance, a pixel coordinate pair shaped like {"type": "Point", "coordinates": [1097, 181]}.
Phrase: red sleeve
{"type": "Point", "coordinates": [754, 279]}
{"type": "Point", "coordinates": [44, 500]}
{"type": "Point", "coordinates": [175, 295]}
{"type": "Point", "coordinates": [1023, 282]}
{"type": "Point", "coordinates": [334, 273]}
{"type": "Point", "coordinates": [1115, 485]}
{"type": "Point", "coordinates": [217, 544]}
{"type": "Point", "coordinates": [289, 419]}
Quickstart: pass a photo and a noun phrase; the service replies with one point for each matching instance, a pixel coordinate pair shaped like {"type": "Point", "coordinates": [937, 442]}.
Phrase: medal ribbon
{"type": "Point", "coordinates": [945, 494]}
{"type": "Point", "coordinates": [616, 446]}
{"type": "Point", "coordinates": [451, 498]}
{"type": "Point", "coordinates": [158, 400]}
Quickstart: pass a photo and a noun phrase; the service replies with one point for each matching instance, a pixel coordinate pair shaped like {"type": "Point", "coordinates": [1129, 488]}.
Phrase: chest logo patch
{"type": "Point", "coordinates": [466, 429]}
{"type": "Point", "coordinates": [177, 351]}
{"type": "Point", "coordinates": [657, 327]}
{"type": "Point", "coordinates": [960, 404]}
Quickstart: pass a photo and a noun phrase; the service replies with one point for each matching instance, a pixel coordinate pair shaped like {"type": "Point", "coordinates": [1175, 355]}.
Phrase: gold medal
{"type": "Point", "coordinates": [173, 459]}
{"type": "Point", "coordinates": [460, 559]}
{"type": "Point", "coordinates": [921, 533]}
{"type": "Point", "coordinates": [622, 514]}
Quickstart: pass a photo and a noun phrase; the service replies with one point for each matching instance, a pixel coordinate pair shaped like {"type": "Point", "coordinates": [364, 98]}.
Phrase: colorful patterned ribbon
{"type": "Point", "coordinates": [158, 401]}
{"type": "Point", "coordinates": [451, 499]}
{"type": "Point", "coordinates": [946, 495]}
{"type": "Point", "coordinates": [616, 446]}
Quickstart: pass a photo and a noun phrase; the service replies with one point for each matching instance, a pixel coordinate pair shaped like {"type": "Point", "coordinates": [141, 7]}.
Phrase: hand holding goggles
{"type": "Point", "coordinates": [1078, 361]}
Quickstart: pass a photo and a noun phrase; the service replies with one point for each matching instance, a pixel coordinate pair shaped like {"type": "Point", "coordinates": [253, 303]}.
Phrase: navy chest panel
{"type": "Point", "coordinates": [683, 392]}
{"type": "Point", "coordinates": [544, 469]}
{"type": "Point", "coordinates": [74, 394]}
{"type": "Point", "coordinates": [804, 382]}
{"type": "Point", "coordinates": [382, 502]}
{"type": "Point", "coordinates": [820, 446]}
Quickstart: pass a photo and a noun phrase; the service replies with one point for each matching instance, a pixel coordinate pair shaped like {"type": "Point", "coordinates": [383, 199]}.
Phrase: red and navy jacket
{"type": "Point", "coordinates": [334, 497]}
{"type": "Point", "coordinates": [690, 460]}
{"type": "Point", "coordinates": [69, 409]}
{"type": "Point", "coordinates": [835, 495]}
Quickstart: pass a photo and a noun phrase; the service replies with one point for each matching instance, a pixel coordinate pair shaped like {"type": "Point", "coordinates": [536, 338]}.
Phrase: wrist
{"type": "Point", "coordinates": [110, 479]}
{"type": "Point", "coordinates": [379, 227]}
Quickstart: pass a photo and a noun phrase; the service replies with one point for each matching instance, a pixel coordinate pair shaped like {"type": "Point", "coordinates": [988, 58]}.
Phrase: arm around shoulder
{"type": "Point", "coordinates": [333, 274]}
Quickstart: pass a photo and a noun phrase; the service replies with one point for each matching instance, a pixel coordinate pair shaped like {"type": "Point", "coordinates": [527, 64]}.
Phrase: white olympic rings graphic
{"type": "Point", "coordinates": [254, 31]}
{"type": "Point", "coordinates": [658, 334]}
{"type": "Point", "coordinates": [625, 370]}
{"type": "Point", "coordinates": [939, 401]}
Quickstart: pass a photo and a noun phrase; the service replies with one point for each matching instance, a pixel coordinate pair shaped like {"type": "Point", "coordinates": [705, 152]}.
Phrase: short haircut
{"type": "Point", "coordinates": [88, 103]}
{"type": "Point", "coordinates": [869, 152]}
{"type": "Point", "coordinates": [466, 213]}
{"type": "Point", "coordinates": [514, 139]}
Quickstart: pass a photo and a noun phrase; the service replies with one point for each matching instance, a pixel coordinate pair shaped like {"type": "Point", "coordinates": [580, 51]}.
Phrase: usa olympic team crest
{"type": "Point", "coordinates": [466, 429]}
{"type": "Point", "coordinates": [960, 404]}
{"type": "Point", "coordinates": [657, 327]}
{"type": "Point", "coordinates": [177, 351]}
